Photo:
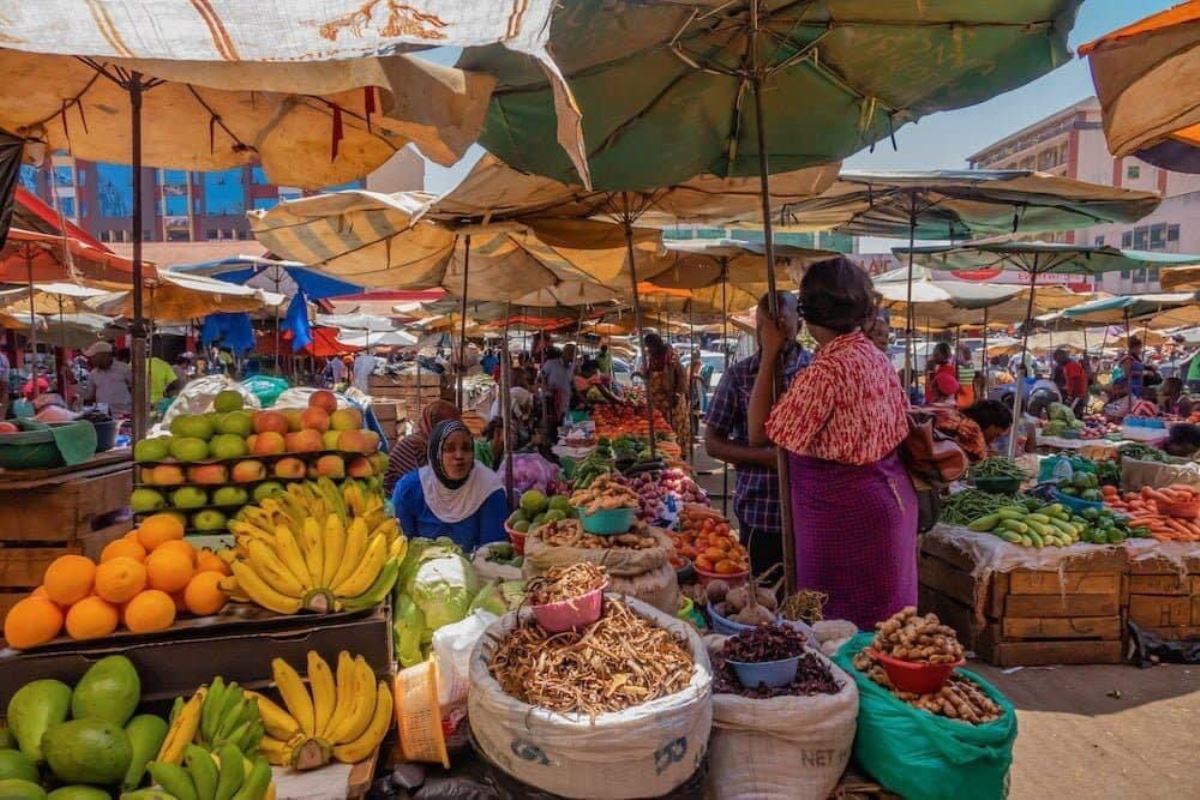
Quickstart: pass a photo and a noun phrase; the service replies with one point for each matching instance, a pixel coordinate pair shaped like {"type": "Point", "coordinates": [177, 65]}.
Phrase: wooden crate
{"type": "Point", "coordinates": [50, 513]}
{"type": "Point", "coordinates": [1164, 596]}
{"type": "Point", "coordinates": [1028, 617]}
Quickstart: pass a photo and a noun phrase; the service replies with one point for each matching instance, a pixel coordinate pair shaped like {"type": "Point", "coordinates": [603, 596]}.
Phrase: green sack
{"type": "Point", "coordinates": [266, 388]}
{"type": "Point", "coordinates": [922, 756]}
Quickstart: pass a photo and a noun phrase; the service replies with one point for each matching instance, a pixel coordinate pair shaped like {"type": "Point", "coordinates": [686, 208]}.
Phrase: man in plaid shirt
{"type": "Point", "coordinates": [756, 493]}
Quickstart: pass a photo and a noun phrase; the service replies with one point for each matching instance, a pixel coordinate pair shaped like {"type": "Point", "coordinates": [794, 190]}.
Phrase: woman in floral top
{"type": "Point", "coordinates": [854, 510]}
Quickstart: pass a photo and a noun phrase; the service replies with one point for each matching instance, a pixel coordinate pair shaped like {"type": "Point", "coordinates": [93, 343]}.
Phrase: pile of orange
{"type": "Point", "coordinates": [142, 581]}
{"type": "Point", "coordinates": [708, 540]}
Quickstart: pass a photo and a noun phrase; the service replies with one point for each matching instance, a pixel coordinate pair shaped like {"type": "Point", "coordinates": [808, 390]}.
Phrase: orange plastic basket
{"type": "Point", "coordinates": [418, 716]}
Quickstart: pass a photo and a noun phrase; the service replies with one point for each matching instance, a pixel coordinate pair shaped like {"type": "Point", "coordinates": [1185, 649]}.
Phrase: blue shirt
{"type": "Point", "coordinates": [417, 519]}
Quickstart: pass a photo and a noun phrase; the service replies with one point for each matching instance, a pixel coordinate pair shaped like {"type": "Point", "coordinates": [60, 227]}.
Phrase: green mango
{"type": "Point", "coordinates": [33, 709]}
{"type": "Point", "coordinates": [15, 764]}
{"type": "Point", "coordinates": [146, 733]}
{"type": "Point", "coordinates": [88, 751]}
{"type": "Point", "coordinates": [110, 690]}
{"type": "Point", "coordinates": [79, 793]}
{"type": "Point", "coordinates": [17, 789]}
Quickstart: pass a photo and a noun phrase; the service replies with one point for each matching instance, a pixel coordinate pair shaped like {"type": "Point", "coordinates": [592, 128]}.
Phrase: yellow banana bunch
{"type": "Point", "coordinates": [319, 565]}
{"type": "Point", "coordinates": [344, 716]}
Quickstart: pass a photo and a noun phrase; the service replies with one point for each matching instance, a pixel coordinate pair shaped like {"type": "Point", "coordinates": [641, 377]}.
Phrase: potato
{"type": "Point", "coordinates": [754, 615]}
{"type": "Point", "coordinates": [737, 598]}
{"type": "Point", "coordinates": [767, 598]}
{"type": "Point", "coordinates": [716, 591]}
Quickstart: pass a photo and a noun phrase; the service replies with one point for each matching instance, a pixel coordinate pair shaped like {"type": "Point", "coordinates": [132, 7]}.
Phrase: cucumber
{"type": "Point", "coordinates": [1015, 526]}
{"type": "Point", "coordinates": [1037, 539]}
{"type": "Point", "coordinates": [1042, 530]}
{"type": "Point", "coordinates": [1042, 518]}
{"type": "Point", "coordinates": [1011, 513]}
{"type": "Point", "coordinates": [1009, 536]}
{"type": "Point", "coordinates": [984, 523]}
{"type": "Point", "coordinates": [1026, 541]}
{"type": "Point", "coordinates": [1064, 526]}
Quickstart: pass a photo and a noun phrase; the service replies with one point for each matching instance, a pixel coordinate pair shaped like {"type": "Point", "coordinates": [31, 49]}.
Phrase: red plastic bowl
{"type": "Point", "coordinates": [909, 676]}
{"type": "Point", "coordinates": [573, 614]}
{"type": "Point", "coordinates": [517, 538]}
{"type": "Point", "coordinates": [731, 578]}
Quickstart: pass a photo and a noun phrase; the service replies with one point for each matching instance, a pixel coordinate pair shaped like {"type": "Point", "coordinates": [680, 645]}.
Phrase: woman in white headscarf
{"type": "Point", "coordinates": [452, 495]}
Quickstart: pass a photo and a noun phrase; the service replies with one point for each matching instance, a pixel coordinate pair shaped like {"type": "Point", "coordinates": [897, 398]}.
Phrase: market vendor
{"type": "Point", "coordinates": [854, 508]}
{"type": "Point", "coordinates": [1183, 440]}
{"type": "Point", "coordinates": [1072, 381]}
{"type": "Point", "coordinates": [411, 452]}
{"type": "Point", "coordinates": [452, 495]}
{"type": "Point", "coordinates": [110, 382]}
{"type": "Point", "coordinates": [756, 491]}
{"type": "Point", "coordinates": [666, 382]}
{"type": "Point", "coordinates": [941, 384]}
{"type": "Point", "coordinates": [993, 418]}
{"type": "Point", "coordinates": [587, 379]}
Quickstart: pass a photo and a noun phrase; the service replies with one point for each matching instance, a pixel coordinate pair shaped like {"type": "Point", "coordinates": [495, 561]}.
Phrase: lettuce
{"type": "Point", "coordinates": [443, 587]}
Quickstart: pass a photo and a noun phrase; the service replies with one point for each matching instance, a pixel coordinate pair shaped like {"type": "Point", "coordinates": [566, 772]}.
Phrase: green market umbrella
{"type": "Point", "coordinates": [1034, 259]}
{"type": "Point", "coordinates": [957, 204]}
{"type": "Point", "coordinates": [1117, 310]}
{"type": "Point", "coordinates": [669, 89]}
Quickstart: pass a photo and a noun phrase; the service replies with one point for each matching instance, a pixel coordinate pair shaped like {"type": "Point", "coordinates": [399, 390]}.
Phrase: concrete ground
{"type": "Point", "coordinates": [1088, 732]}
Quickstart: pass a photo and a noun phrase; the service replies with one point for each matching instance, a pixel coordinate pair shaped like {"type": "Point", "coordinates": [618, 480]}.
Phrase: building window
{"type": "Point", "coordinates": [1125, 274]}
{"type": "Point", "coordinates": [212, 234]}
{"type": "Point", "coordinates": [1173, 237]}
{"type": "Point", "coordinates": [1158, 236]}
{"type": "Point", "coordinates": [67, 204]}
{"type": "Point", "coordinates": [1133, 172]}
{"type": "Point", "coordinates": [64, 176]}
{"type": "Point", "coordinates": [259, 177]}
{"type": "Point", "coordinates": [1139, 276]}
{"type": "Point", "coordinates": [1127, 240]}
{"type": "Point", "coordinates": [106, 236]}
{"type": "Point", "coordinates": [223, 193]}
{"type": "Point", "coordinates": [177, 235]}
{"type": "Point", "coordinates": [342, 187]}
{"type": "Point", "coordinates": [114, 189]}
{"type": "Point", "coordinates": [176, 205]}
{"type": "Point", "coordinates": [1141, 238]}
{"type": "Point", "coordinates": [265, 203]}
{"type": "Point", "coordinates": [29, 177]}
{"type": "Point", "coordinates": [1098, 241]}
{"type": "Point", "coordinates": [81, 177]}
{"type": "Point", "coordinates": [1152, 275]}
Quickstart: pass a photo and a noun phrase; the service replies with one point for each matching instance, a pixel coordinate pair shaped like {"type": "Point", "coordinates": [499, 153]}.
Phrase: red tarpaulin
{"type": "Point", "coordinates": [31, 213]}
{"type": "Point", "coordinates": [324, 344]}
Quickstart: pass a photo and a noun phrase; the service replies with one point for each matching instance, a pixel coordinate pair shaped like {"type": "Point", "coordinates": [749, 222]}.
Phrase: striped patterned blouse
{"type": "Point", "coordinates": [847, 407]}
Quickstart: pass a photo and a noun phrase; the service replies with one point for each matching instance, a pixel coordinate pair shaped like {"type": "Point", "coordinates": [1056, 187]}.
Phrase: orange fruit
{"type": "Point", "coordinates": [91, 618]}
{"type": "Point", "coordinates": [32, 621]}
{"type": "Point", "coordinates": [159, 528]}
{"type": "Point", "coordinates": [203, 595]}
{"type": "Point", "coordinates": [119, 579]}
{"type": "Point", "coordinates": [123, 548]}
{"type": "Point", "coordinates": [40, 592]}
{"type": "Point", "coordinates": [208, 561]}
{"type": "Point", "coordinates": [168, 570]}
{"type": "Point", "coordinates": [68, 579]}
{"type": "Point", "coordinates": [182, 545]}
{"type": "Point", "coordinates": [150, 611]}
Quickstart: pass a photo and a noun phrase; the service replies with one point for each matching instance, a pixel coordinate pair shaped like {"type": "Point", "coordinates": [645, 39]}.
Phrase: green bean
{"type": "Point", "coordinates": [971, 504]}
{"type": "Point", "coordinates": [997, 467]}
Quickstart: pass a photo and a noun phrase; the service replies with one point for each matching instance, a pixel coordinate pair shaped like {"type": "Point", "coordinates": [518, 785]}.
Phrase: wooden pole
{"type": "Point", "coordinates": [462, 325]}
{"type": "Point", "coordinates": [627, 223]}
{"type": "Point", "coordinates": [138, 329]}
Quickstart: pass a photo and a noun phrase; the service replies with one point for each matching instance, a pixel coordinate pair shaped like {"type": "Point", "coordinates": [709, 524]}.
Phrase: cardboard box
{"type": "Point", "coordinates": [177, 665]}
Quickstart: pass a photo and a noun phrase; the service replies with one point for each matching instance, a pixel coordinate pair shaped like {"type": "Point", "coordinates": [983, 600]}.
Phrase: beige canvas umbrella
{"type": "Point", "coordinates": [179, 297]}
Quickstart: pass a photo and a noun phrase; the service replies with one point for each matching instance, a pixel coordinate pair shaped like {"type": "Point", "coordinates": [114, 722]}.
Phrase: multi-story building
{"type": "Point", "coordinates": [822, 240]}
{"type": "Point", "coordinates": [184, 206]}
{"type": "Point", "coordinates": [1071, 143]}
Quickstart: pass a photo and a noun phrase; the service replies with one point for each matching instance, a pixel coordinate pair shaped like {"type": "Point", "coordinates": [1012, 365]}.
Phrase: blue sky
{"type": "Point", "coordinates": [943, 141]}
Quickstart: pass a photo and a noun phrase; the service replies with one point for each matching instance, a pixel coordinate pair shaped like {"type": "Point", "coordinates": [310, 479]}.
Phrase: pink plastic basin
{"type": "Point", "coordinates": [573, 614]}
{"type": "Point", "coordinates": [910, 676]}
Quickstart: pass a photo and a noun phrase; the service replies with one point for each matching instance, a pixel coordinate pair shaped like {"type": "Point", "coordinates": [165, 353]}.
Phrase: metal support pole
{"type": "Point", "coordinates": [985, 354]}
{"type": "Point", "coordinates": [1019, 395]}
{"type": "Point", "coordinates": [138, 328]}
{"type": "Point", "coordinates": [764, 179]}
{"type": "Point", "coordinates": [462, 324]}
{"type": "Point", "coordinates": [725, 350]}
{"type": "Point", "coordinates": [627, 224]}
{"type": "Point", "coordinates": [32, 320]}
{"type": "Point", "coordinates": [506, 410]}
{"type": "Point", "coordinates": [910, 317]}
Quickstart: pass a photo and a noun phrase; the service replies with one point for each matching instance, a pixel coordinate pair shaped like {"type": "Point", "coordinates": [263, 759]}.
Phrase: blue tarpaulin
{"type": "Point", "coordinates": [231, 330]}
{"type": "Point", "coordinates": [284, 277]}
{"type": "Point", "coordinates": [297, 322]}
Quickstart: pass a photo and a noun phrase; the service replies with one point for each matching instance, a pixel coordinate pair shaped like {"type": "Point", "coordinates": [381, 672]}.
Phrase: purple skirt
{"type": "Point", "coordinates": [856, 536]}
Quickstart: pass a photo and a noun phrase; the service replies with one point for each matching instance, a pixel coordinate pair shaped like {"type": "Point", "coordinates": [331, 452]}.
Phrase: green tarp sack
{"type": "Point", "coordinates": [922, 756]}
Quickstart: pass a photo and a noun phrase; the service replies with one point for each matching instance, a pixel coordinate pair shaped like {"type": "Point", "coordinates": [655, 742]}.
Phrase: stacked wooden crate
{"type": "Point", "coordinates": [387, 413]}
{"type": "Point", "coordinates": [410, 391]}
{"type": "Point", "coordinates": [48, 513]}
{"type": "Point", "coordinates": [1029, 617]}
{"type": "Point", "coordinates": [1164, 596]}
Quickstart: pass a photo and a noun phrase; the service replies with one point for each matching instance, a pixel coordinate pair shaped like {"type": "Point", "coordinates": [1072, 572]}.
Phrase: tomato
{"type": "Point", "coordinates": [713, 554]}
{"type": "Point", "coordinates": [703, 564]}
{"type": "Point", "coordinates": [726, 567]}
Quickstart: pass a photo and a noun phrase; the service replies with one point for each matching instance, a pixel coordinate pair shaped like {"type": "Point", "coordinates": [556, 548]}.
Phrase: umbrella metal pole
{"type": "Point", "coordinates": [1018, 395]}
{"type": "Point", "coordinates": [32, 324]}
{"type": "Point", "coordinates": [62, 328]}
{"type": "Point", "coordinates": [462, 323]}
{"type": "Point", "coordinates": [138, 329]}
{"type": "Point", "coordinates": [725, 350]}
{"type": "Point", "coordinates": [506, 411]}
{"type": "Point", "coordinates": [985, 354]}
{"type": "Point", "coordinates": [693, 358]}
{"type": "Point", "coordinates": [764, 180]}
{"type": "Point", "coordinates": [627, 224]}
{"type": "Point", "coordinates": [910, 355]}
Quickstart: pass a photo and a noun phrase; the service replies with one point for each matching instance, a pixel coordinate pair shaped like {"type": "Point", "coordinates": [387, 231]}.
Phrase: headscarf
{"type": "Point", "coordinates": [453, 500]}
{"type": "Point", "coordinates": [411, 452]}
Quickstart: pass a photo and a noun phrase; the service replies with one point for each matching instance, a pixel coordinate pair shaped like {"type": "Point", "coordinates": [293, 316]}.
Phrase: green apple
{"type": "Point", "coordinates": [267, 489]}
{"type": "Point", "coordinates": [227, 445]}
{"type": "Point", "coordinates": [230, 496]}
{"type": "Point", "coordinates": [152, 449]}
{"type": "Point", "coordinates": [208, 520]}
{"type": "Point", "coordinates": [143, 500]}
{"type": "Point", "coordinates": [189, 497]}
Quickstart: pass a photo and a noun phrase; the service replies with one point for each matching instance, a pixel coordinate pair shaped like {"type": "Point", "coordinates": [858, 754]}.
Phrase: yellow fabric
{"type": "Point", "coordinates": [161, 376]}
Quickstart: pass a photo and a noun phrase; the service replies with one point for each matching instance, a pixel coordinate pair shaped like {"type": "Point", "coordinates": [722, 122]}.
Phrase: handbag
{"type": "Point", "coordinates": [930, 454]}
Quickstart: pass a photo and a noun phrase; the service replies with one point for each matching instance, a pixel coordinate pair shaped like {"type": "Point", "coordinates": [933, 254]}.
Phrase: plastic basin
{"type": "Point", "coordinates": [106, 435]}
{"type": "Point", "coordinates": [731, 578]}
{"type": "Point", "coordinates": [573, 614]}
{"type": "Point", "coordinates": [772, 673]}
{"type": "Point", "coordinates": [610, 522]}
{"type": "Point", "coordinates": [909, 676]}
{"type": "Point", "coordinates": [517, 538]}
{"type": "Point", "coordinates": [1075, 504]}
{"type": "Point", "coordinates": [685, 571]}
{"type": "Point", "coordinates": [727, 627]}
{"type": "Point", "coordinates": [998, 485]}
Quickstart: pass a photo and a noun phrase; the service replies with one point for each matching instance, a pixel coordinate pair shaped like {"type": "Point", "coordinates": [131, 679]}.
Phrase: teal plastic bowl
{"type": "Point", "coordinates": [610, 522]}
